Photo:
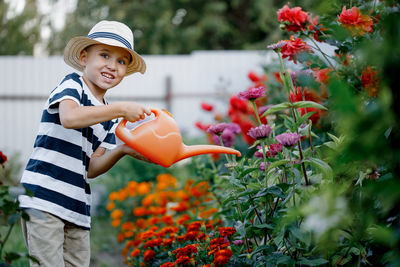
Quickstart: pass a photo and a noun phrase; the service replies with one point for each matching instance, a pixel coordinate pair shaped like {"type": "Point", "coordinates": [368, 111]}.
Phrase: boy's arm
{"type": "Point", "coordinates": [73, 116]}
{"type": "Point", "coordinates": [100, 162]}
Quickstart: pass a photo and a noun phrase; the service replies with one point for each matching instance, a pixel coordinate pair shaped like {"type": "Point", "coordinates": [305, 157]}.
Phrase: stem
{"type": "Point", "coordinates": [222, 144]}
{"type": "Point", "coordinates": [256, 112]}
{"type": "Point", "coordinates": [309, 135]}
{"type": "Point", "coordinates": [240, 212]}
{"type": "Point", "coordinates": [5, 239]}
{"type": "Point", "coordinates": [323, 54]}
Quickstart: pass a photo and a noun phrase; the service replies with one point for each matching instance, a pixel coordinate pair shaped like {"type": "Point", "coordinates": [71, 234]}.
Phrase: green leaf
{"type": "Point", "coordinates": [277, 163]}
{"type": "Point", "coordinates": [308, 104]}
{"type": "Point", "coordinates": [264, 226]}
{"type": "Point", "coordinates": [247, 171]}
{"type": "Point", "coordinates": [313, 262]}
{"type": "Point", "coordinates": [322, 165]}
{"type": "Point", "coordinates": [276, 108]}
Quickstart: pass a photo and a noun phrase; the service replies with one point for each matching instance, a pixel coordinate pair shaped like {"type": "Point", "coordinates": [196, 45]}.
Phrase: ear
{"type": "Point", "coordinates": [83, 58]}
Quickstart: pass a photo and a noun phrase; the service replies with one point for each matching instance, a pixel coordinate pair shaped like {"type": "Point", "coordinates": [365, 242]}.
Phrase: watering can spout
{"type": "Point", "coordinates": [190, 151]}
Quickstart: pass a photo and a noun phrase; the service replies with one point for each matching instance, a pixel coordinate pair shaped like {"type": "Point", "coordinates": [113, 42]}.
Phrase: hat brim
{"type": "Point", "coordinates": [75, 46]}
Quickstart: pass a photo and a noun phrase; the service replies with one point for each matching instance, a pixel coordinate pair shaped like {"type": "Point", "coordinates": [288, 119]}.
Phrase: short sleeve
{"type": "Point", "coordinates": [110, 141]}
{"type": "Point", "coordinates": [69, 88]}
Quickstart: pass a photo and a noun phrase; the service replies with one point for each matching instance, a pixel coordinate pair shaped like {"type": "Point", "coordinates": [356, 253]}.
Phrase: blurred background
{"type": "Point", "coordinates": [195, 51]}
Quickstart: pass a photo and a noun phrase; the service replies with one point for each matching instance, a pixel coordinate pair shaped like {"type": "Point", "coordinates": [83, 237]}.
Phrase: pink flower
{"type": "Point", "coordinates": [288, 139]}
{"type": "Point", "coordinates": [252, 93]}
{"type": "Point", "coordinates": [220, 127]}
{"type": "Point", "coordinates": [277, 45]}
{"type": "Point", "coordinates": [238, 242]}
{"type": "Point", "coordinates": [260, 132]}
{"type": "Point", "coordinates": [274, 149]}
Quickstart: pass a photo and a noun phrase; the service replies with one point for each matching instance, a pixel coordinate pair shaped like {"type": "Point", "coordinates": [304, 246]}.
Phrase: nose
{"type": "Point", "coordinates": [111, 64]}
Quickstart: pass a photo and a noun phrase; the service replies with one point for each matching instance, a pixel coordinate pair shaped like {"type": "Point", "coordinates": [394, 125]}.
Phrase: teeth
{"type": "Point", "coordinates": [107, 75]}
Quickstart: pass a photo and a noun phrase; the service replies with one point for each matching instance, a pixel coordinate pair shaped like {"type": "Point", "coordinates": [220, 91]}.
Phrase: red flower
{"type": "Point", "coordinates": [135, 252]}
{"type": "Point", "coordinates": [293, 47]}
{"type": "Point", "coordinates": [202, 126]}
{"type": "Point", "coordinates": [316, 28]}
{"type": "Point", "coordinates": [356, 22]}
{"type": "Point", "coordinates": [307, 96]}
{"type": "Point", "coordinates": [226, 231]}
{"type": "Point", "coordinates": [238, 104]}
{"type": "Point", "coordinates": [3, 158]}
{"type": "Point", "coordinates": [369, 81]}
{"type": "Point", "coordinates": [207, 107]}
{"type": "Point", "coordinates": [148, 254]}
{"type": "Point", "coordinates": [322, 76]}
{"type": "Point", "coordinates": [182, 260]}
{"type": "Point", "coordinates": [153, 243]}
{"type": "Point", "coordinates": [256, 78]}
{"type": "Point", "coordinates": [168, 264]}
{"type": "Point", "coordinates": [294, 18]}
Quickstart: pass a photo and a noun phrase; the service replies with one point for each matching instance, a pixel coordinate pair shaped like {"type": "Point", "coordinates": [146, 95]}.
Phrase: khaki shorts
{"type": "Point", "coordinates": [55, 242]}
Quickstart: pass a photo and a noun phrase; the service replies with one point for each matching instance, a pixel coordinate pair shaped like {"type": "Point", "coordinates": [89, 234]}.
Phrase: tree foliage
{"type": "Point", "coordinates": [179, 26]}
{"type": "Point", "coordinates": [19, 32]}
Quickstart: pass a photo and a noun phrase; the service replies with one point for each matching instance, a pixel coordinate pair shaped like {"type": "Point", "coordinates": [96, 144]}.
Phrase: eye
{"type": "Point", "coordinates": [105, 55]}
{"type": "Point", "coordinates": [122, 62]}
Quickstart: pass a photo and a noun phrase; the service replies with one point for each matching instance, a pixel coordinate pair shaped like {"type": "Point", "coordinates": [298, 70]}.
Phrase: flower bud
{"type": "Point", "coordinates": [282, 27]}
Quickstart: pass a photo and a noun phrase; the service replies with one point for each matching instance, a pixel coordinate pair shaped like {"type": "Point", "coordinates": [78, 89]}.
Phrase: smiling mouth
{"type": "Point", "coordinates": [107, 75]}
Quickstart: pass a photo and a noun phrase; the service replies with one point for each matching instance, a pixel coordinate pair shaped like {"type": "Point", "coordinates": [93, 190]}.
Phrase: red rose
{"type": "Point", "coordinates": [294, 18]}
{"type": "Point", "coordinates": [356, 22]}
{"type": "Point", "coordinates": [293, 47]}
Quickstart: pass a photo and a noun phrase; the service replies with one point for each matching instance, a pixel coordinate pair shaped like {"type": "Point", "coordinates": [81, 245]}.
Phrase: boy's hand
{"type": "Point", "coordinates": [133, 111]}
{"type": "Point", "coordinates": [131, 152]}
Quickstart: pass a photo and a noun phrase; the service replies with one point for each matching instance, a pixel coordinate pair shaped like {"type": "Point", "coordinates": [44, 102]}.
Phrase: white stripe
{"type": "Point", "coordinates": [55, 110]}
{"type": "Point", "coordinates": [63, 213]}
{"type": "Point", "coordinates": [67, 84]}
{"type": "Point", "coordinates": [50, 183]}
{"type": "Point", "coordinates": [59, 132]}
{"type": "Point", "coordinates": [59, 159]}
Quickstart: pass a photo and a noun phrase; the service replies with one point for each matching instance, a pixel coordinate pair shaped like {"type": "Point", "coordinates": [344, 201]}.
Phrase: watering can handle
{"type": "Point", "coordinates": [153, 110]}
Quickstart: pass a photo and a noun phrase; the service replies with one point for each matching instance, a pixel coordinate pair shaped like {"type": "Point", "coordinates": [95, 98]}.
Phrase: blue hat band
{"type": "Point", "coordinates": [111, 35]}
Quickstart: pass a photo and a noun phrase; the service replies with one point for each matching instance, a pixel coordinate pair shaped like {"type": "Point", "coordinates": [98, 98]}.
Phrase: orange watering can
{"type": "Point", "coordinates": [160, 140]}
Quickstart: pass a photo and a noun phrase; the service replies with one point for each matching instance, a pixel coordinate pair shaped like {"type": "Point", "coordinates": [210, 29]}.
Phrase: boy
{"type": "Point", "coordinates": [76, 128]}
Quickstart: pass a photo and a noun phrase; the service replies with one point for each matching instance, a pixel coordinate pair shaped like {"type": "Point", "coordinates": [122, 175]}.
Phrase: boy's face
{"type": "Point", "coordinates": [104, 66]}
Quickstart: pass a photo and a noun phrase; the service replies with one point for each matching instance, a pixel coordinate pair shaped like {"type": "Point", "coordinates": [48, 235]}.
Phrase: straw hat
{"type": "Point", "coordinates": [105, 32]}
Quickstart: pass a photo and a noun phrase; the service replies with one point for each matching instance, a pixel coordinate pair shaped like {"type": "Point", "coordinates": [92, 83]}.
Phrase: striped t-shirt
{"type": "Point", "coordinates": [57, 169]}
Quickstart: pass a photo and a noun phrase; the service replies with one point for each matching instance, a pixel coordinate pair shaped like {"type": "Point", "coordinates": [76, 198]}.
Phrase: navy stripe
{"type": "Point", "coordinates": [65, 92]}
{"type": "Point", "coordinates": [48, 117]}
{"type": "Point", "coordinates": [73, 76]}
{"type": "Point", "coordinates": [110, 138]}
{"type": "Point", "coordinates": [58, 173]}
{"type": "Point", "coordinates": [59, 199]}
{"type": "Point", "coordinates": [61, 146]}
{"type": "Point", "coordinates": [111, 35]}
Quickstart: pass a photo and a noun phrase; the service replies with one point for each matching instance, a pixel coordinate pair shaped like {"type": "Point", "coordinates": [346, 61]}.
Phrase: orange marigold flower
{"type": "Point", "coordinates": [200, 189]}
{"type": "Point", "coordinates": [110, 206]}
{"type": "Point", "coordinates": [131, 188]}
{"type": "Point", "coordinates": [167, 219]}
{"type": "Point", "coordinates": [148, 254]}
{"type": "Point", "coordinates": [120, 237]}
{"type": "Point", "coordinates": [141, 223]}
{"type": "Point", "coordinates": [153, 220]}
{"type": "Point", "coordinates": [369, 81]}
{"type": "Point", "coordinates": [148, 200]}
{"type": "Point", "coordinates": [225, 252]}
{"type": "Point", "coordinates": [192, 235]}
{"type": "Point", "coordinates": [183, 219]}
{"type": "Point", "coordinates": [153, 243]}
{"type": "Point", "coordinates": [182, 206]}
{"type": "Point", "coordinates": [168, 242]}
{"type": "Point", "coordinates": [146, 235]}
{"type": "Point", "coordinates": [117, 214]}
{"type": "Point", "coordinates": [356, 22]}
{"type": "Point", "coordinates": [207, 213]}
{"type": "Point", "coordinates": [116, 222]}
{"type": "Point", "coordinates": [168, 264]}
{"type": "Point", "coordinates": [221, 260]}
{"type": "Point", "coordinates": [127, 226]}
{"type": "Point", "coordinates": [135, 252]}
{"type": "Point", "coordinates": [113, 196]}
{"type": "Point", "coordinates": [194, 226]}
{"type": "Point", "coordinates": [143, 188]}
{"type": "Point", "coordinates": [140, 211]}
{"type": "Point", "coordinates": [226, 231]}
{"type": "Point", "coordinates": [182, 260]}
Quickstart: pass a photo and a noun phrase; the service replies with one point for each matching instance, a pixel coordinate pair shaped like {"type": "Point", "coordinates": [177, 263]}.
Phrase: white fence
{"type": "Point", "coordinates": [201, 76]}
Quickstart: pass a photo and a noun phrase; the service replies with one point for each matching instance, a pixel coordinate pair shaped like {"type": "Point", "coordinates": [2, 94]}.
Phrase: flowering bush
{"type": "Point", "coordinates": [318, 183]}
